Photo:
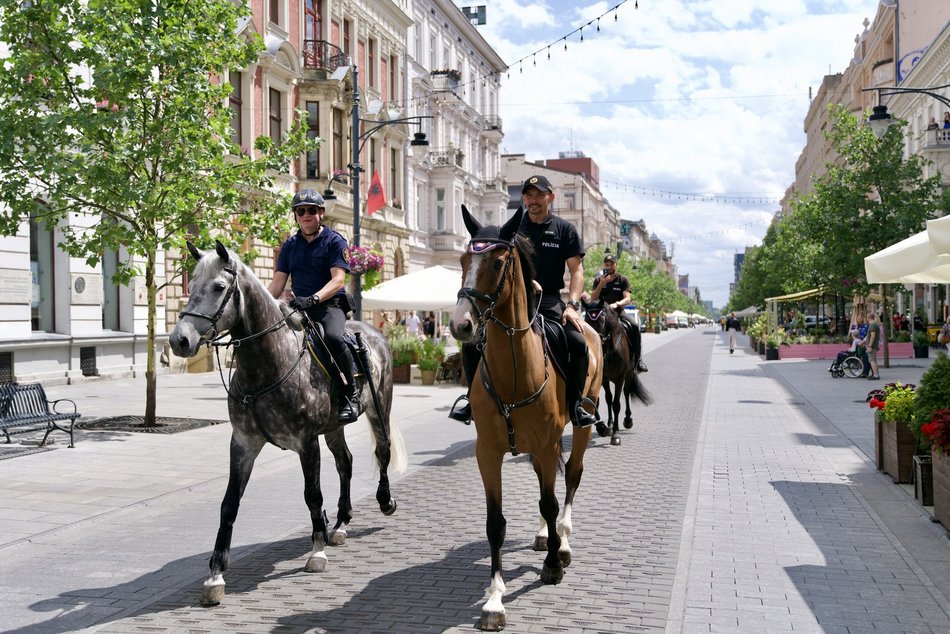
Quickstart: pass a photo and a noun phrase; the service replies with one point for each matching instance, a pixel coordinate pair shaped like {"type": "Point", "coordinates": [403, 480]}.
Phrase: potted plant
{"type": "Point", "coordinates": [895, 404]}
{"type": "Point", "coordinates": [937, 431]}
{"type": "Point", "coordinates": [921, 344]}
{"type": "Point", "coordinates": [431, 356]}
{"type": "Point", "coordinates": [404, 349]}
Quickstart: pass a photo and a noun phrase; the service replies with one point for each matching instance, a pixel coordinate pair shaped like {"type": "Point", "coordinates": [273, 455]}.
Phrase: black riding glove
{"type": "Point", "coordinates": [303, 303]}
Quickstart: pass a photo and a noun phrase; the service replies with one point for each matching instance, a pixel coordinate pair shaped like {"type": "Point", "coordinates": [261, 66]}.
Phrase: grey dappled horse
{"type": "Point", "coordinates": [279, 394]}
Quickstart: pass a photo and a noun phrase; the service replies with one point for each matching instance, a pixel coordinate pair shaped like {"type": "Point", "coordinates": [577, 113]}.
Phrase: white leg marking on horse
{"type": "Point", "coordinates": [565, 528]}
{"type": "Point", "coordinates": [317, 561]}
{"type": "Point", "coordinates": [338, 537]}
{"type": "Point", "coordinates": [541, 537]}
{"type": "Point", "coordinates": [496, 590]}
{"type": "Point", "coordinates": [212, 591]}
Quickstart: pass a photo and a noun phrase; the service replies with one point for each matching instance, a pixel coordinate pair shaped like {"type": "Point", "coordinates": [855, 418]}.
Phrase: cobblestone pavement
{"type": "Point", "coordinates": [741, 501]}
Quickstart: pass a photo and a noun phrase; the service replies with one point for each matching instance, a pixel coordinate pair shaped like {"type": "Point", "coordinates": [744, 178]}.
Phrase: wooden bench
{"type": "Point", "coordinates": [23, 405]}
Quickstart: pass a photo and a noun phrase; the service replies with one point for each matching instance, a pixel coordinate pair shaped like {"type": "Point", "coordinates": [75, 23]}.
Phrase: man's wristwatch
{"type": "Point", "coordinates": [576, 305]}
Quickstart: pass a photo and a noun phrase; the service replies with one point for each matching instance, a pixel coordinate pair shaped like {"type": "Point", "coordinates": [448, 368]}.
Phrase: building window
{"type": "Point", "coordinates": [41, 266]}
{"type": "Point", "coordinates": [337, 140]}
{"type": "Point", "coordinates": [371, 53]}
{"type": "Point", "coordinates": [313, 132]}
{"type": "Point", "coordinates": [274, 114]}
{"type": "Point", "coordinates": [417, 41]}
{"type": "Point", "coordinates": [313, 22]}
{"type": "Point", "coordinates": [110, 291]}
{"type": "Point", "coordinates": [433, 60]}
{"type": "Point", "coordinates": [237, 108]}
{"type": "Point", "coordinates": [392, 78]}
{"type": "Point", "coordinates": [372, 157]}
{"type": "Point", "coordinates": [274, 11]}
{"type": "Point", "coordinates": [393, 173]}
{"type": "Point", "coordinates": [347, 27]}
{"type": "Point", "coordinates": [440, 209]}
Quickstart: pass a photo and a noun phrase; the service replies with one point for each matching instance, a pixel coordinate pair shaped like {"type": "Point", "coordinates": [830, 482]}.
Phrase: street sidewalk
{"type": "Point", "coordinates": [743, 500]}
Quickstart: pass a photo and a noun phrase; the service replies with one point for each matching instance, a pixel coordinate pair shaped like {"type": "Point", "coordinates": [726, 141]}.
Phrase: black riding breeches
{"type": "Point", "coordinates": [333, 320]}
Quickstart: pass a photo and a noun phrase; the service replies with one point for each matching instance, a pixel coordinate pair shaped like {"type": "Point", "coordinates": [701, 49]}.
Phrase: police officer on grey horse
{"type": "Point", "coordinates": [315, 259]}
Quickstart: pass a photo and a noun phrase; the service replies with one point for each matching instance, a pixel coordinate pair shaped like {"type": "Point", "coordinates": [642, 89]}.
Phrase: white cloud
{"type": "Point", "coordinates": [695, 96]}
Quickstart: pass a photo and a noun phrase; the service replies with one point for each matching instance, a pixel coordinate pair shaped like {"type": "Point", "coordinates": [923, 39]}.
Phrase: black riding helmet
{"type": "Point", "coordinates": [307, 198]}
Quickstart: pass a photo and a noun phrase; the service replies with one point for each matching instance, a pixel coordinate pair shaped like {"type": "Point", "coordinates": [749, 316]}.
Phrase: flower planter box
{"type": "Point", "coordinates": [903, 350]}
{"type": "Point", "coordinates": [924, 480]}
{"type": "Point", "coordinates": [899, 448]}
{"type": "Point", "coordinates": [831, 350]}
{"type": "Point", "coordinates": [941, 479]}
{"type": "Point", "coordinates": [402, 373]}
{"type": "Point", "coordinates": [771, 354]}
{"type": "Point", "coordinates": [921, 352]}
{"type": "Point", "coordinates": [878, 441]}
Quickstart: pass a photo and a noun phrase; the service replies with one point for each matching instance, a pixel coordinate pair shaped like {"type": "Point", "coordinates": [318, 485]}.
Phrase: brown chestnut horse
{"type": "Point", "coordinates": [519, 403]}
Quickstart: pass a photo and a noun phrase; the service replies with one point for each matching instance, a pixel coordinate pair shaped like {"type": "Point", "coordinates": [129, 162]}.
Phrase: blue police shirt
{"type": "Point", "coordinates": [308, 263]}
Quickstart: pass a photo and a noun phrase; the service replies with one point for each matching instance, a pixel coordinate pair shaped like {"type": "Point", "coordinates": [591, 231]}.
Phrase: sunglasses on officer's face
{"type": "Point", "coordinates": [309, 211]}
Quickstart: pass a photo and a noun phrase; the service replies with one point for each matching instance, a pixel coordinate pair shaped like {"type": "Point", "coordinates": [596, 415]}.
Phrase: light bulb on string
{"type": "Point", "coordinates": [615, 15]}
{"type": "Point", "coordinates": [598, 25]}
{"type": "Point", "coordinates": [582, 34]}
{"type": "Point", "coordinates": [549, 52]}
{"type": "Point", "coordinates": [565, 44]}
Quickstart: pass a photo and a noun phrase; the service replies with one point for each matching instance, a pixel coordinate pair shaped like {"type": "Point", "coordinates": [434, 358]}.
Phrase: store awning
{"type": "Point", "coordinates": [794, 297]}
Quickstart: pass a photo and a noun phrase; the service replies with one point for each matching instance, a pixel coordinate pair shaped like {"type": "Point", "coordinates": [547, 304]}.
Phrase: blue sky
{"type": "Point", "coordinates": [702, 97]}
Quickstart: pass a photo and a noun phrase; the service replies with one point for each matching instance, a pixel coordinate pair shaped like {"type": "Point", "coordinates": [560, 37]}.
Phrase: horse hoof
{"type": "Point", "coordinates": [338, 537]}
{"type": "Point", "coordinates": [316, 563]}
{"type": "Point", "coordinates": [492, 622]}
{"type": "Point", "coordinates": [212, 593]}
{"type": "Point", "coordinates": [390, 508]}
{"type": "Point", "coordinates": [551, 576]}
{"type": "Point", "coordinates": [628, 423]}
{"type": "Point", "coordinates": [540, 543]}
{"type": "Point", "coordinates": [615, 441]}
{"type": "Point", "coordinates": [601, 429]}
{"type": "Point", "coordinates": [565, 557]}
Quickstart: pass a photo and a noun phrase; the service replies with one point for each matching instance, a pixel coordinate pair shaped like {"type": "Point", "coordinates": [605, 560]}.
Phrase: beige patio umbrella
{"type": "Point", "coordinates": [923, 258]}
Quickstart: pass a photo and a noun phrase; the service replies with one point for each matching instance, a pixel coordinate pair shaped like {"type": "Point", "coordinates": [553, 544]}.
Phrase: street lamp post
{"type": "Point", "coordinates": [359, 140]}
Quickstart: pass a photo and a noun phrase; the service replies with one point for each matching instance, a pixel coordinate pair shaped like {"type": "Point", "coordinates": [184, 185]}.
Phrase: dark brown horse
{"type": "Point", "coordinates": [620, 367]}
{"type": "Point", "coordinates": [280, 394]}
{"type": "Point", "coordinates": [519, 403]}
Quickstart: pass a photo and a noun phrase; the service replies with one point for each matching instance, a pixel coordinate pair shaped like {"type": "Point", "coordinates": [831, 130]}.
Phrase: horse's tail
{"type": "Point", "coordinates": [634, 387]}
{"type": "Point", "coordinates": [398, 457]}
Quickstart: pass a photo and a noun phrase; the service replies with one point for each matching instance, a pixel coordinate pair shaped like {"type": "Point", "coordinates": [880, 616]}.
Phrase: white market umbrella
{"type": "Point", "coordinates": [434, 288]}
{"type": "Point", "coordinates": [915, 260]}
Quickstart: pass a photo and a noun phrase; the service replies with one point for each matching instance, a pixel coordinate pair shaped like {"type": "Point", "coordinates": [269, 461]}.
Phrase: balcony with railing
{"type": "Point", "coordinates": [321, 55]}
{"type": "Point", "coordinates": [937, 139]}
{"type": "Point", "coordinates": [446, 81]}
{"type": "Point", "coordinates": [490, 124]}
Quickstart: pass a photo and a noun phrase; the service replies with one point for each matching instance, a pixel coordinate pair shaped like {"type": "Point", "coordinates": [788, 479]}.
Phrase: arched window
{"type": "Point", "coordinates": [43, 304]}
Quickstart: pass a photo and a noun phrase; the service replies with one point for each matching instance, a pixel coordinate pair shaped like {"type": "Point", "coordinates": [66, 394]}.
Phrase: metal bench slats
{"type": "Point", "coordinates": [26, 404]}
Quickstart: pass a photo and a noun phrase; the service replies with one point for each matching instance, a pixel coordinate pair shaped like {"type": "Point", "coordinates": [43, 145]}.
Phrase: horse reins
{"type": "Point", "coordinates": [472, 294]}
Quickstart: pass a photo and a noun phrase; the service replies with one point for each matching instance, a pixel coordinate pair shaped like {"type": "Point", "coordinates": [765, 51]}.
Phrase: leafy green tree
{"type": "Point", "coordinates": [115, 129]}
{"type": "Point", "coordinates": [652, 290]}
{"type": "Point", "coordinates": [871, 198]}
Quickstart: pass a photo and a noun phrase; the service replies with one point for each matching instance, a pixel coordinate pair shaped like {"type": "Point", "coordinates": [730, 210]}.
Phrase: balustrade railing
{"type": "Point", "coordinates": [322, 55]}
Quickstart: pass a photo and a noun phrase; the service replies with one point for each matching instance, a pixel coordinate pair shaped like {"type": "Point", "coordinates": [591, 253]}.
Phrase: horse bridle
{"type": "Point", "coordinates": [228, 268]}
{"type": "Point", "coordinates": [477, 247]}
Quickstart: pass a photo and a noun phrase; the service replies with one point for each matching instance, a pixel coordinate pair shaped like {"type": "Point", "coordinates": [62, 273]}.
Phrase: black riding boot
{"type": "Point", "coordinates": [349, 407]}
{"type": "Point", "coordinates": [462, 409]}
{"type": "Point", "coordinates": [579, 416]}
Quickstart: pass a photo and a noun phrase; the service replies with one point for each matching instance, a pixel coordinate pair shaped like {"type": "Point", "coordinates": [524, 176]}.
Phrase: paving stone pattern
{"type": "Point", "coordinates": [426, 568]}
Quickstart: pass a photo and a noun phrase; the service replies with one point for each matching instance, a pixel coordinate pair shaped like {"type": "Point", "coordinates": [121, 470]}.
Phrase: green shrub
{"type": "Point", "coordinates": [902, 337]}
{"type": "Point", "coordinates": [921, 339]}
{"type": "Point", "coordinates": [933, 393]}
{"type": "Point", "coordinates": [405, 348]}
{"type": "Point", "coordinates": [899, 403]}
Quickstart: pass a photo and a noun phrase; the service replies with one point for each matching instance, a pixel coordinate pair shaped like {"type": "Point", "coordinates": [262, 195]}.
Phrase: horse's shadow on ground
{"type": "Point", "coordinates": [73, 606]}
{"type": "Point", "coordinates": [428, 597]}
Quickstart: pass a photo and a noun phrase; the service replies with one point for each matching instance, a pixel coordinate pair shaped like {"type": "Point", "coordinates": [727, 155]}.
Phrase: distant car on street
{"type": "Point", "coordinates": [811, 321]}
{"type": "Point", "coordinates": [633, 313]}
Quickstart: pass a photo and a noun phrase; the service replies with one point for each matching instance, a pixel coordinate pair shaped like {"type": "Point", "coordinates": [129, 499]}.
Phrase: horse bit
{"type": "Point", "coordinates": [477, 247]}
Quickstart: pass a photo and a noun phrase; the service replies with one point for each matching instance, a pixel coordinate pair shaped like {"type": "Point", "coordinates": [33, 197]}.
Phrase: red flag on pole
{"type": "Point", "coordinates": [376, 197]}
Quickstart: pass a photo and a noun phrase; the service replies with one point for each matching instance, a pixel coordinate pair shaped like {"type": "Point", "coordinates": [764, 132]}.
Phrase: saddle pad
{"type": "Point", "coordinates": [556, 342]}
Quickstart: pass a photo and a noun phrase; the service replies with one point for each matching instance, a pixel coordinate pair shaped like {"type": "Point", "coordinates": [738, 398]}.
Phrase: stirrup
{"type": "Point", "coordinates": [462, 413]}
{"type": "Point", "coordinates": [641, 367]}
{"type": "Point", "coordinates": [580, 416]}
{"type": "Point", "coordinates": [348, 411]}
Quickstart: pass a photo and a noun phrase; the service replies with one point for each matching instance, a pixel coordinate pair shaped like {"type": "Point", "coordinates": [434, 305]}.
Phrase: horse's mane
{"type": "Point", "coordinates": [526, 252]}
{"type": "Point", "coordinates": [211, 264]}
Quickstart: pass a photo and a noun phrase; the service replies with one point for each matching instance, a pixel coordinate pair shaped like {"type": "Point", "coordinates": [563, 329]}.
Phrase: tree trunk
{"type": "Point", "coordinates": [886, 358]}
{"type": "Point", "coordinates": [150, 378]}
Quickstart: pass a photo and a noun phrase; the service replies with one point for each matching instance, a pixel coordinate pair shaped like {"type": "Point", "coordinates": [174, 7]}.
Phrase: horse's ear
{"type": "Point", "coordinates": [221, 250]}
{"type": "Point", "coordinates": [471, 224]}
{"type": "Point", "coordinates": [193, 250]}
{"type": "Point", "coordinates": [510, 228]}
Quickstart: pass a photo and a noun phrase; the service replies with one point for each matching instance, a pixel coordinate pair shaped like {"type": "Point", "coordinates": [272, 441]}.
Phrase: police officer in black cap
{"type": "Point", "coordinates": [556, 245]}
{"type": "Point", "coordinates": [315, 260]}
{"type": "Point", "coordinates": [613, 289]}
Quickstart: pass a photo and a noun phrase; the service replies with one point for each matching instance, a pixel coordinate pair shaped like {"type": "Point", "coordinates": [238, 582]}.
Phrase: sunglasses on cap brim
{"type": "Point", "coordinates": [309, 211]}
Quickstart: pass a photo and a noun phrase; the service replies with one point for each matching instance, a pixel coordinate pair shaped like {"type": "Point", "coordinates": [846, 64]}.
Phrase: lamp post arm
{"type": "Point", "coordinates": [897, 90]}
{"type": "Point", "coordinates": [364, 137]}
